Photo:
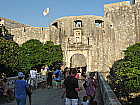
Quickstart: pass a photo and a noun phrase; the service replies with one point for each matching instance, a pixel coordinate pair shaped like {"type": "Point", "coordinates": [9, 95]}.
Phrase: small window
{"type": "Point", "coordinates": [111, 26]}
{"type": "Point", "coordinates": [55, 24]}
{"type": "Point", "coordinates": [88, 40]}
{"type": "Point", "coordinates": [99, 23]}
{"type": "Point", "coordinates": [78, 23]}
{"type": "Point", "coordinates": [132, 2]}
{"type": "Point", "coordinates": [24, 30]}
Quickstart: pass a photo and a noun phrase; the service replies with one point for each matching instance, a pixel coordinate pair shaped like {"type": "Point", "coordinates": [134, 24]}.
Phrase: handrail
{"type": "Point", "coordinates": [108, 96]}
{"type": "Point", "coordinates": [11, 80]}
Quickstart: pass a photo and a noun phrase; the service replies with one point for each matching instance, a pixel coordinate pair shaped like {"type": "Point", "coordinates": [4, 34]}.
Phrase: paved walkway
{"type": "Point", "coordinates": [52, 97]}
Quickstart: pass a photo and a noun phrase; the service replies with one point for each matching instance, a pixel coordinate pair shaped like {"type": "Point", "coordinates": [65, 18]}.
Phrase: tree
{"type": "Point", "coordinates": [30, 54]}
{"type": "Point", "coordinates": [54, 53]}
{"type": "Point", "coordinates": [125, 73]}
{"type": "Point", "coordinates": [35, 54]}
{"type": "Point", "coordinates": [8, 56]}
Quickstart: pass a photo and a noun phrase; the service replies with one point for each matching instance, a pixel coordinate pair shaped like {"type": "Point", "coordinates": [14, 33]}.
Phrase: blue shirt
{"type": "Point", "coordinates": [59, 74]}
{"type": "Point", "coordinates": [20, 89]}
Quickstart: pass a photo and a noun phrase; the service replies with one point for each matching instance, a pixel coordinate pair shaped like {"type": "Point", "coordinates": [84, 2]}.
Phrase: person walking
{"type": "Point", "coordinates": [33, 78]}
{"type": "Point", "coordinates": [71, 89]}
{"type": "Point", "coordinates": [21, 87]}
{"type": "Point", "coordinates": [49, 79]}
{"type": "Point", "coordinates": [57, 77]}
{"type": "Point", "coordinates": [90, 85]}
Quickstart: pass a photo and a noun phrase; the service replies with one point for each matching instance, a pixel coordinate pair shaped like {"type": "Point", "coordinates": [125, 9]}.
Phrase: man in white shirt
{"type": "Point", "coordinates": [33, 78]}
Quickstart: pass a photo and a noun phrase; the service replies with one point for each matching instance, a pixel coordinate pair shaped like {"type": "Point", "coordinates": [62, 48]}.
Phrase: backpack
{"type": "Point", "coordinates": [57, 74]}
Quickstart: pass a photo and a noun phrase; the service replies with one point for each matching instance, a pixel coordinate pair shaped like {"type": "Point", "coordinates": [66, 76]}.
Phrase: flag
{"type": "Point", "coordinates": [46, 11]}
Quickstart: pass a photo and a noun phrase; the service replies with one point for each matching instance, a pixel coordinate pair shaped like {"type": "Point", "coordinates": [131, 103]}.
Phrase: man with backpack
{"type": "Point", "coordinates": [57, 77]}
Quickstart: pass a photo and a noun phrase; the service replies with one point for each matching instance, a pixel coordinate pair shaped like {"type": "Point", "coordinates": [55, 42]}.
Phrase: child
{"type": "Point", "coordinates": [85, 101]}
{"type": "Point", "coordinates": [91, 100]}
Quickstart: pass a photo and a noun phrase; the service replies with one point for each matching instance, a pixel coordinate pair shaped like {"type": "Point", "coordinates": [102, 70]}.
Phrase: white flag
{"type": "Point", "coordinates": [46, 11]}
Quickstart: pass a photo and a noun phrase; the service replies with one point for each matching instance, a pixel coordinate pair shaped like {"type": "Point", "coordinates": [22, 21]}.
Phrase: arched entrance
{"type": "Point", "coordinates": [78, 61]}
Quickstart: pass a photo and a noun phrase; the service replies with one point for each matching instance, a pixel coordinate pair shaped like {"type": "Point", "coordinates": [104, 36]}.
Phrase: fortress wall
{"type": "Point", "coordinates": [21, 35]}
{"type": "Point", "coordinates": [124, 24]}
{"type": "Point", "coordinates": [102, 44]}
{"type": "Point", "coordinates": [136, 12]}
{"type": "Point", "coordinates": [101, 39]}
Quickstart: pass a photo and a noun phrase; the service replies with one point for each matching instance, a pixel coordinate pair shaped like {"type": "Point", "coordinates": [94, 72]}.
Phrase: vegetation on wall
{"type": "Point", "coordinates": [125, 73]}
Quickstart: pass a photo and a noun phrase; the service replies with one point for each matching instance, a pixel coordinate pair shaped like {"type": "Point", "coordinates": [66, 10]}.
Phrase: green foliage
{"type": "Point", "coordinates": [30, 54]}
{"type": "Point", "coordinates": [125, 73]}
{"type": "Point", "coordinates": [54, 52]}
{"type": "Point", "coordinates": [8, 55]}
{"type": "Point", "coordinates": [35, 54]}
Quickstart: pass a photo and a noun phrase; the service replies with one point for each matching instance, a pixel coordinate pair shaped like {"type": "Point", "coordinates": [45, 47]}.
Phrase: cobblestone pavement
{"type": "Point", "coordinates": [52, 97]}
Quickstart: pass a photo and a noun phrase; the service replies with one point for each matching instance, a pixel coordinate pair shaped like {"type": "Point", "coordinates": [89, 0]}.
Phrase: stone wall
{"type": "Point", "coordinates": [100, 39]}
{"type": "Point", "coordinates": [9, 24]}
{"type": "Point", "coordinates": [21, 35]}
{"type": "Point", "coordinates": [96, 43]}
{"type": "Point", "coordinates": [108, 96]}
{"type": "Point", "coordinates": [124, 20]}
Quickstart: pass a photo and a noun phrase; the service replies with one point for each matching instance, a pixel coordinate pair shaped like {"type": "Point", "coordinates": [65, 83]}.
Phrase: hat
{"type": "Point", "coordinates": [20, 74]}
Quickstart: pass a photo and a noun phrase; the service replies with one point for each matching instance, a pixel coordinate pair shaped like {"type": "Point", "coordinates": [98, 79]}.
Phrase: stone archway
{"type": "Point", "coordinates": [78, 60]}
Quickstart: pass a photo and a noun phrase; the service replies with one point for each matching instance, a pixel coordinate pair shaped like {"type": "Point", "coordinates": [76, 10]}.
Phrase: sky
{"type": "Point", "coordinates": [30, 12]}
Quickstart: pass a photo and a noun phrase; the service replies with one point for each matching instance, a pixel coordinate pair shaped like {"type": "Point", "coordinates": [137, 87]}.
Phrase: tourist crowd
{"type": "Point", "coordinates": [70, 79]}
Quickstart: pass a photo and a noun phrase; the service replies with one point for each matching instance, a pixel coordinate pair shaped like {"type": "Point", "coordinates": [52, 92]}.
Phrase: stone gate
{"type": "Point", "coordinates": [97, 40]}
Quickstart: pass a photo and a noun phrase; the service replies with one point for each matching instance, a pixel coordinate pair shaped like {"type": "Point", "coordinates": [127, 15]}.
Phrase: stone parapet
{"type": "Point", "coordinates": [108, 96]}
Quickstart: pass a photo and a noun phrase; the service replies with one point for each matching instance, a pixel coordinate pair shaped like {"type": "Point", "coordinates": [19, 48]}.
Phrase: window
{"type": "Point", "coordinates": [55, 24]}
{"type": "Point", "coordinates": [78, 23]}
{"type": "Point", "coordinates": [88, 40]}
{"type": "Point", "coordinates": [24, 30]}
{"type": "Point", "coordinates": [111, 26]}
{"type": "Point", "coordinates": [99, 23]}
{"type": "Point", "coordinates": [132, 2]}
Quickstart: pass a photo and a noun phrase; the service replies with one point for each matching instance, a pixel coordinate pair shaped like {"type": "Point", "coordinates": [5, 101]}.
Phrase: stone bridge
{"type": "Point", "coordinates": [44, 96]}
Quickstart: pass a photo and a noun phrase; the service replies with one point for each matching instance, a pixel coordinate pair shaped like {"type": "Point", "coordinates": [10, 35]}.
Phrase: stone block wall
{"type": "Point", "coordinates": [21, 35]}
{"type": "Point", "coordinates": [108, 96]}
{"type": "Point", "coordinates": [102, 38]}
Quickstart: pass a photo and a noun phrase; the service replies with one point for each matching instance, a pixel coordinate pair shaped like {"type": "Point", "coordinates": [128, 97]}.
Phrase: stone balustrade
{"type": "Point", "coordinates": [11, 80]}
{"type": "Point", "coordinates": [108, 96]}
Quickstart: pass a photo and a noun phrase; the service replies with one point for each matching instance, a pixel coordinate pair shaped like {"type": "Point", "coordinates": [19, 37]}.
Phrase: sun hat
{"type": "Point", "coordinates": [20, 74]}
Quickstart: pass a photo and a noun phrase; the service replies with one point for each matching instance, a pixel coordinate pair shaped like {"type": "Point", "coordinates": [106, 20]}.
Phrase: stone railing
{"type": "Point", "coordinates": [108, 96]}
{"type": "Point", "coordinates": [11, 80]}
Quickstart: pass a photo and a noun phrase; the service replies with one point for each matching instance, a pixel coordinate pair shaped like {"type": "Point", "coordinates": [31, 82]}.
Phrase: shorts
{"type": "Point", "coordinates": [69, 101]}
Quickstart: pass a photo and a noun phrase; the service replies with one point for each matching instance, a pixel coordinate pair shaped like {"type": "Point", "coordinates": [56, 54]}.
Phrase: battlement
{"type": "Point", "coordinates": [118, 4]}
{"type": "Point", "coordinates": [137, 1]}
